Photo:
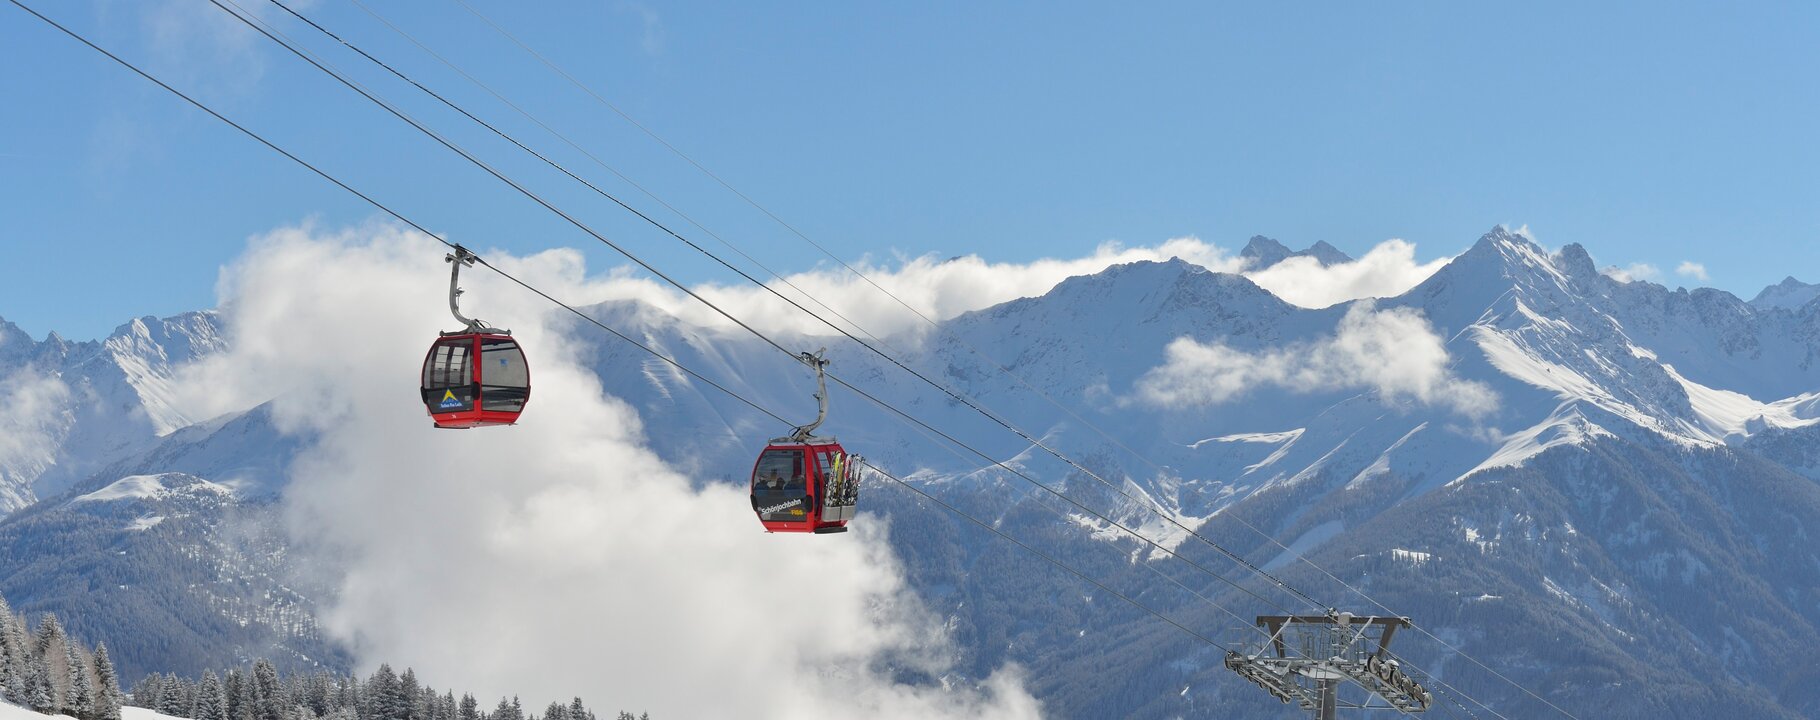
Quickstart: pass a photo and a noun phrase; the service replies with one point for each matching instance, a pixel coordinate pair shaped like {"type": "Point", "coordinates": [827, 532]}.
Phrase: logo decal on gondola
{"type": "Point", "coordinates": [780, 507]}
{"type": "Point", "coordinates": [449, 401]}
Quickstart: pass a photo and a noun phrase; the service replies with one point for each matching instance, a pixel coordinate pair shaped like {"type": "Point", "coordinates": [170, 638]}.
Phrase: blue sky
{"type": "Point", "coordinates": [1656, 134]}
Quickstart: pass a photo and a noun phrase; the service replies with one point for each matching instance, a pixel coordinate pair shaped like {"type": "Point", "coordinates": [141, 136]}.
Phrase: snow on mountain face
{"type": "Point", "coordinates": [1700, 366]}
{"type": "Point", "coordinates": [1789, 294]}
{"type": "Point", "coordinates": [151, 487]}
{"type": "Point", "coordinates": [175, 572]}
{"type": "Point", "coordinates": [1629, 421]}
{"type": "Point", "coordinates": [74, 407]}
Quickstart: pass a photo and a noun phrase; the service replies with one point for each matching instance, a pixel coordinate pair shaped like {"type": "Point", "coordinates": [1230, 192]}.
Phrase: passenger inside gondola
{"type": "Point", "coordinates": [780, 490]}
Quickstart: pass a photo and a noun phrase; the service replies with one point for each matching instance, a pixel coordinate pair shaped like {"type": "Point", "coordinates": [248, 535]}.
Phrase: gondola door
{"type": "Point", "coordinates": [450, 392]}
{"type": "Point", "coordinates": [782, 492]}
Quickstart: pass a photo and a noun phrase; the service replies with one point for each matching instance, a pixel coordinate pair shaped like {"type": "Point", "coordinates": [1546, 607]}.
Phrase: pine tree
{"type": "Point", "coordinates": [107, 686]}
{"type": "Point", "coordinates": [22, 640]}
{"type": "Point", "coordinates": [382, 694]}
{"type": "Point", "coordinates": [50, 652]}
{"type": "Point", "coordinates": [507, 711]}
{"type": "Point", "coordinates": [211, 699]}
{"type": "Point", "coordinates": [470, 708]}
{"type": "Point", "coordinates": [234, 686]}
{"type": "Point", "coordinates": [79, 697]}
{"type": "Point", "coordinates": [348, 698]}
{"type": "Point", "coordinates": [316, 693]}
{"type": "Point", "coordinates": [268, 693]}
{"type": "Point", "coordinates": [39, 695]}
{"type": "Point", "coordinates": [147, 691]}
{"type": "Point", "coordinates": [50, 634]}
{"type": "Point", "coordinates": [405, 706]}
{"type": "Point", "coordinates": [556, 711]}
{"type": "Point", "coordinates": [177, 698]}
{"type": "Point", "coordinates": [11, 669]}
{"type": "Point", "coordinates": [578, 711]}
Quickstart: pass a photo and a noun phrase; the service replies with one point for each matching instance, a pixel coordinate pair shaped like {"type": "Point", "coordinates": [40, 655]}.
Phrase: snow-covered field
{"type": "Point", "coordinates": [9, 711]}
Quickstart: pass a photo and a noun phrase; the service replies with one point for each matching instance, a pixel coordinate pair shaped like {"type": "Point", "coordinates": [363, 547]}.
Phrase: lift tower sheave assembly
{"type": "Point", "coordinates": [1308, 658]}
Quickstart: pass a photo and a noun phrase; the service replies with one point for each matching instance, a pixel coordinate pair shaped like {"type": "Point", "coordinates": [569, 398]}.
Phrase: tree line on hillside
{"type": "Point", "coordinates": [45, 669]}
{"type": "Point", "coordinates": [261, 694]}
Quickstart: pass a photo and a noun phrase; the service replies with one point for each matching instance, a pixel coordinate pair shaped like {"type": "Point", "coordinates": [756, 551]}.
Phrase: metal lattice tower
{"type": "Point", "coordinates": [1308, 658]}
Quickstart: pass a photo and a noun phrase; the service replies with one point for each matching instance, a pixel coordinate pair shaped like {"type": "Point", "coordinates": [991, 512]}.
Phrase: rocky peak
{"type": "Point", "coordinates": [1262, 252]}
{"type": "Point", "coordinates": [1789, 294]}
{"type": "Point", "coordinates": [1577, 263]}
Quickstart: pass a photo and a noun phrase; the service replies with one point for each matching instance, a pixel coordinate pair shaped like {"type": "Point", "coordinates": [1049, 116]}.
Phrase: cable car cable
{"type": "Point", "coordinates": [775, 274]}
{"type": "Point", "coordinates": [868, 280]}
{"type": "Point", "coordinates": [270, 34]}
{"type": "Point", "coordinates": [576, 312]}
{"type": "Point", "coordinates": [958, 397]}
{"type": "Point", "coordinates": [273, 34]}
{"type": "Point", "coordinates": [401, 115]}
{"type": "Point", "coordinates": [320, 65]}
{"type": "Point", "coordinates": [375, 203]}
{"type": "Point", "coordinates": [401, 32]}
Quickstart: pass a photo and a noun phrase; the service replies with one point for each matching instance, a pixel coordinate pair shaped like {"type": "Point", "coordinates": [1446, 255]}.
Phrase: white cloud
{"type": "Point", "coordinates": [1633, 272]}
{"type": "Point", "coordinates": [31, 428]}
{"type": "Point", "coordinates": [941, 289]}
{"type": "Point", "coordinates": [1388, 270]}
{"type": "Point", "coordinates": [1692, 270]}
{"type": "Point", "coordinates": [559, 557]}
{"type": "Point", "coordinates": [1393, 352]}
{"type": "Point", "coordinates": [938, 289]}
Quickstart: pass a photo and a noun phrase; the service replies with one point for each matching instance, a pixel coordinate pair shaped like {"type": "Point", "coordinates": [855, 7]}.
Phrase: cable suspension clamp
{"type": "Point", "coordinates": [819, 362]}
{"type": "Point", "coordinates": [456, 260]}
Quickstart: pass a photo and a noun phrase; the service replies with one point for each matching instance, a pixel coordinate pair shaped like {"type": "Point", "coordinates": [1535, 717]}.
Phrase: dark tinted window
{"type": "Point", "coordinates": [779, 486]}
{"type": "Point", "coordinates": [447, 366]}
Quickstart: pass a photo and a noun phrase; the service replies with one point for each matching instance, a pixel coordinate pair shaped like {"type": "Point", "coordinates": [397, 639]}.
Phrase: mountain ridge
{"type": "Point", "coordinates": [1638, 435]}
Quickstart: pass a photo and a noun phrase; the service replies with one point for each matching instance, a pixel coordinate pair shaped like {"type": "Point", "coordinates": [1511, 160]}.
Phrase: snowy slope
{"type": "Point", "coordinates": [1789, 294]}
{"type": "Point", "coordinates": [75, 407]}
{"type": "Point", "coordinates": [9, 711]}
{"type": "Point", "coordinates": [1664, 388]}
{"type": "Point", "coordinates": [1645, 445]}
{"type": "Point", "coordinates": [176, 572]}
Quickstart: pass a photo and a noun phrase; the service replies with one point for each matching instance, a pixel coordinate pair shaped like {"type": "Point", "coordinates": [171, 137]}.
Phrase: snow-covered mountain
{"type": "Point", "coordinates": [177, 573]}
{"type": "Point", "coordinates": [1604, 489]}
{"type": "Point", "coordinates": [74, 407]}
{"type": "Point", "coordinates": [1788, 294]}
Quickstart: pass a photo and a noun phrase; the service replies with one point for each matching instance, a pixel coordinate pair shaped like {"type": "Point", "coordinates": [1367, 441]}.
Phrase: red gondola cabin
{"type": "Point", "coordinates": [475, 380]}
{"type": "Point", "coordinates": [808, 487]}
